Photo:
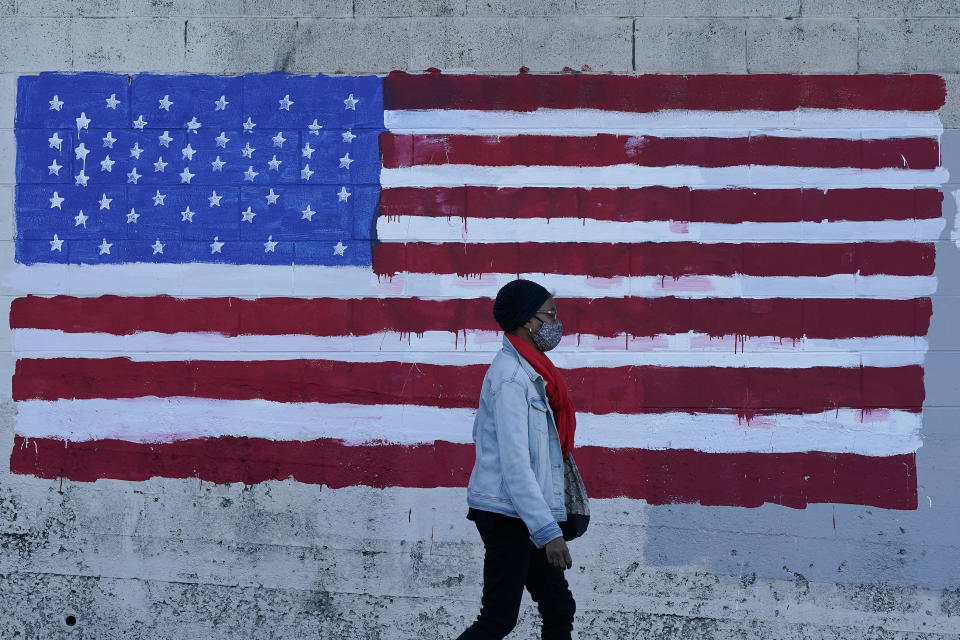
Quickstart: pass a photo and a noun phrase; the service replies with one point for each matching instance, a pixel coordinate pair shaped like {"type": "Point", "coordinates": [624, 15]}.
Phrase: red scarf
{"type": "Point", "coordinates": [557, 392]}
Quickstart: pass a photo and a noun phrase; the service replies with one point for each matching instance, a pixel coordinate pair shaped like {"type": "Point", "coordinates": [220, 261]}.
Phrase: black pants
{"type": "Point", "coordinates": [511, 562]}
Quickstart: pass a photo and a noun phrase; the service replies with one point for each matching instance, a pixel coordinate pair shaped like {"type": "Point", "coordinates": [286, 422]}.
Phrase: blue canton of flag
{"type": "Point", "coordinates": [257, 169]}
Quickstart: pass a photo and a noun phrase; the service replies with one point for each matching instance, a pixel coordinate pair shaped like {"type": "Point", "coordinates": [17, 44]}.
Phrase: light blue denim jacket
{"type": "Point", "coordinates": [519, 467]}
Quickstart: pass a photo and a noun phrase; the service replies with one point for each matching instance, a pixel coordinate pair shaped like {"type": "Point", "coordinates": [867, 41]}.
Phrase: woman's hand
{"type": "Point", "coordinates": [558, 555]}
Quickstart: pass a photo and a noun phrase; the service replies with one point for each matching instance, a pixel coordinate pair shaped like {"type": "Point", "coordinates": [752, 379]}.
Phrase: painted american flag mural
{"type": "Point", "coordinates": [269, 276]}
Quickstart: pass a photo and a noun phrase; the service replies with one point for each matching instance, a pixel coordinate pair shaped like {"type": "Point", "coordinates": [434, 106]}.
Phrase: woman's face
{"type": "Point", "coordinates": [546, 314]}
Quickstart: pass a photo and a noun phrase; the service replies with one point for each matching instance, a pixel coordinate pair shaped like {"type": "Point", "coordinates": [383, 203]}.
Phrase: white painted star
{"type": "Point", "coordinates": [135, 150]}
{"type": "Point", "coordinates": [247, 151]}
{"type": "Point", "coordinates": [315, 127]}
{"type": "Point", "coordinates": [139, 123]}
{"type": "Point", "coordinates": [80, 219]}
{"type": "Point", "coordinates": [165, 103]}
{"type": "Point", "coordinates": [215, 199]}
{"type": "Point", "coordinates": [351, 105]}
{"type": "Point", "coordinates": [270, 245]}
{"type": "Point", "coordinates": [278, 139]}
{"type": "Point", "coordinates": [83, 122]}
{"type": "Point", "coordinates": [186, 176]}
{"type": "Point", "coordinates": [187, 215]}
{"type": "Point", "coordinates": [347, 136]}
{"type": "Point", "coordinates": [308, 214]}
{"type": "Point", "coordinates": [221, 104]}
{"type": "Point", "coordinates": [216, 245]}
{"type": "Point", "coordinates": [159, 165]}
{"type": "Point", "coordinates": [222, 140]}
{"type": "Point", "coordinates": [105, 202]}
{"type": "Point", "coordinates": [56, 244]}
{"type": "Point", "coordinates": [188, 152]}
{"type": "Point", "coordinates": [56, 201]}
{"type": "Point", "coordinates": [218, 164]}
{"type": "Point", "coordinates": [132, 216]}
{"type": "Point", "coordinates": [249, 125]}
{"type": "Point", "coordinates": [133, 176]}
{"type": "Point", "coordinates": [307, 151]}
{"type": "Point", "coordinates": [343, 194]}
{"type": "Point", "coordinates": [55, 141]}
{"type": "Point", "coordinates": [107, 164]}
{"type": "Point", "coordinates": [55, 168]}
{"type": "Point", "coordinates": [108, 140]}
{"type": "Point", "coordinates": [193, 125]}
{"type": "Point", "coordinates": [157, 247]}
{"type": "Point", "coordinates": [56, 104]}
{"type": "Point", "coordinates": [286, 103]}
{"type": "Point", "coordinates": [274, 164]}
{"type": "Point", "coordinates": [165, 139]}
{"type": "Point", "coordinates": [105, 247]}
{"type": "Point", "coordinates": [81, 179]}
{"type": "Point", "coordinates": [81, 151]}
{"type": "Point", "coordinates": [247, 215]}
{"type": "Point", "coordinates": [112, 102]}
{"type": "Point", "coordinates": [158, 198]}
{"type": "Point", "coordinates": [346, 161]}
{"type": "Point", "coordinates": [272, 197]}
{"type": "Point", "coordinates": [250, 174]}
{"type": "Point", "coordinates": [339, 248]}
{"type": "Point", "coordinates": [305, 173]}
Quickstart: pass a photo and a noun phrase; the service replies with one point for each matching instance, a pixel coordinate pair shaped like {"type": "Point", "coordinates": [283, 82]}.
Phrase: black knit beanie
{"type": "Point", "coordinates": [518, 301]}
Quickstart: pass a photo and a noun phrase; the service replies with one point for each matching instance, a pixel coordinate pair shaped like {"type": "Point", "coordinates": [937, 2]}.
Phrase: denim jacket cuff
{"type": "Point", "coordinates": [546, 533]}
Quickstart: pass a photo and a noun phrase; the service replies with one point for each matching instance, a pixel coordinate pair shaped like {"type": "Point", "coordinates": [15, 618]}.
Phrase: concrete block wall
{"type": "Point", "coordinates": [190, 559]}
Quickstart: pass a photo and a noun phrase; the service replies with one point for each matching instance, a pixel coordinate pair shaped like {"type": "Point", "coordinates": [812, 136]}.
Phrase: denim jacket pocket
{"type": "Point", "coordinates": [538, 416]}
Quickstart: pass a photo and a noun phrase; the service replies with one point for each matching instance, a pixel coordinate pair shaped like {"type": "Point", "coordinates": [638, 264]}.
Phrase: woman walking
{"type": "Point", "coordinates": [523, 430]}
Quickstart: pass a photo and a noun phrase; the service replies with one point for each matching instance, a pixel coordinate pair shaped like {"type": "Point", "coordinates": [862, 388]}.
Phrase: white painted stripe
{"type": "Point", "coordinates": [196, 279]}
{"type": "Point", "coordinates": [628, 175]}
{"type": "Point", "coordinates": [851, 124]}
{"type": "Point", "coordinates": [453, 229]}
{"type": "Point", "coordinates": [478, 347]}
{"type": "Point", "coordinates": [881, 432]}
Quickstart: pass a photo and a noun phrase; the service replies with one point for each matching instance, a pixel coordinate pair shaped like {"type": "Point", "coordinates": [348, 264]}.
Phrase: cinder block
{"type": "Point", "coordinates": [527, 8]}
{"type": "Point", "coordinates": [240, 45]}
{"type": "Point", "coordinates": [932, 8]}
{"type": "Point", "coordinates": [606, 44]}
{"type": "Point", "coordinates": [128, 44]}
{"type": "Point", "coordinates": [8, 220]}
{"type": "Point", "coordinates": [484, 44]}
{"type": "Point", "coordinates": [854, 8]}
{"type": "Point", "coordinates": [7, 157]}
{"type": "Point", "coordinates": [362, 45]}
{"type": "Point", "coordinates": [35, 44]}
{"type": "Point", "coordinates": [950, 112]}
{"type": "Point", "coordinates": [806, 45]}
{"type": "Point", "coordinates": [722, 8]}
{"type": "Point", "coordinates": [621, 8]}
{"type": "Point", "coordinates": [689, 45]}
{"type": "Point", "coordinates": [298, 8]}
{"type": "Point", "coordinates": [405, 8]}
{"type": "Point", "coordinates": [45, 8]}
{"type": "Point", "coordinates": [8, 99]}
{"type": "Point", "coordinates": [919, 44]}
{"type": "Point", "coordinates": [155, 9]}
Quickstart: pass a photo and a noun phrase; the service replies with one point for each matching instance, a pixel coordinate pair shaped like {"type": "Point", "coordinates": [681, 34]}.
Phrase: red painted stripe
{"type": "Point", "coordinates": [659, 477]}
{"type": "Point", "coordinates": [407, 150]}
{"type": "Point", "coordinates": [646, 93]}
{"type": "Point", "coordinates": [664, 203]}
{"type": "Point", "coordinates": [596, 390]}
{"type": "Point", "coordinates": [785, 317]}
{"type": "Point", "coordinates": [670, 259]}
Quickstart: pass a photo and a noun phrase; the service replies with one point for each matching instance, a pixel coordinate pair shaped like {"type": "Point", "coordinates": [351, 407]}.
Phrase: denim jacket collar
{"type": "Point", "coordinates": [527, 368]}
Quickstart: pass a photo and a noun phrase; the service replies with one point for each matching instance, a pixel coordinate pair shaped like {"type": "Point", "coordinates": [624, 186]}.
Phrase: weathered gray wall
{"type": "Point", "coordinates": [184, 559]}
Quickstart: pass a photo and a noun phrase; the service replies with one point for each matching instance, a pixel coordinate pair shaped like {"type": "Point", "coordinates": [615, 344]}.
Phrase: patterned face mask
{"type": "Point", "coordinates": [548, 335]}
